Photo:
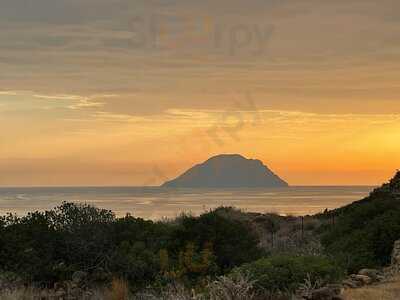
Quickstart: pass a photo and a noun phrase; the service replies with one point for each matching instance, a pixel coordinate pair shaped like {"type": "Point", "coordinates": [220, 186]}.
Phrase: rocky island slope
{"type": "Point", "coordinates": [228, 171]}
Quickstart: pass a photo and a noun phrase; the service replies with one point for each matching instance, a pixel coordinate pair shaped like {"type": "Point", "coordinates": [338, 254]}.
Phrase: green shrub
{"type": "Point", "coordinates": [135, 263]}
{"type": "Point", "coordinates": [286, 273]}
{"type": "Point", "coordinates": [233, 241]}
{"type": "Point", "coordinates": [364, 232]}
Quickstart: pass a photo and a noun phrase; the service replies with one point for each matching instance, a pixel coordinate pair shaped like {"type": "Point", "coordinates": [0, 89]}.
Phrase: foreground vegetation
{"type": "Point", "coordinates": [50, 246]}
{"type": "Point", "coordinates": [364, 232]}
{"type": "Point", "coordinates": [90, 247]}
{"type": "Point", "coordinates": [85, 250]}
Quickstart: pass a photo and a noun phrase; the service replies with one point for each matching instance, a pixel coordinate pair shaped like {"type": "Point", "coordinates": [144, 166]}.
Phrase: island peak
{"type": "Point", "coordinates": [228, 171]}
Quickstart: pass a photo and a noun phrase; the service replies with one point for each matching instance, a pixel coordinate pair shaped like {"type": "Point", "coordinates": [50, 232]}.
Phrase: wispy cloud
{"type": "Point", "coordinates": [118, 118]}
{"type": "Point", "coordinates": [86, 103]}
{"type": "Point", "coordinates": [73, 102]}
{"type": "Point", "coordinates": [78, 102]}
{"type": "Point", "coordinates": [8, 93]}
{"type": "Point", "coordinates": [60, 97]}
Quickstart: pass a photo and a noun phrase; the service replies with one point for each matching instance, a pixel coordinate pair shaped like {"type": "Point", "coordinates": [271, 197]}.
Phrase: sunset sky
{"type": "Point", "coordinates": [130, 92]}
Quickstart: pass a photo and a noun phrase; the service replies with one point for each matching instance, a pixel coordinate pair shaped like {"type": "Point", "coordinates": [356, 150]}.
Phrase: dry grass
{"type": "Point", "coordinates": [119, 290]}
{"type": "Point", "coordinates": [386, 291]}
{"type": "Point", "coordinates": [21, 294]}
{"type": "Point", "coordinates": [232, 288]}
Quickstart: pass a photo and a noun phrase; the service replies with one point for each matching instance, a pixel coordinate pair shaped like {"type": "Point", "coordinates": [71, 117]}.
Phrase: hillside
{"type": "Point", "coordinates": [228, 171]}
{"type": "Point", "coordinates": [362, 234]}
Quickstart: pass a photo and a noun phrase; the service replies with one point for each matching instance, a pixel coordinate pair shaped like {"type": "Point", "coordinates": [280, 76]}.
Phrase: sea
{"type": "Point", "coordinates": [161, 203]}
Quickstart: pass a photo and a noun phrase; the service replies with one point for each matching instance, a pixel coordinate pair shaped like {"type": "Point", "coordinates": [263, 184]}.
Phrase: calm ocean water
{"type": "Point", "coordinates": [156, 203]}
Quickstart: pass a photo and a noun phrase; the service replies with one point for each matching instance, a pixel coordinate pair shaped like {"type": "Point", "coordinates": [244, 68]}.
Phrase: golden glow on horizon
{"type": "Point", "coordinates": [55, 144]}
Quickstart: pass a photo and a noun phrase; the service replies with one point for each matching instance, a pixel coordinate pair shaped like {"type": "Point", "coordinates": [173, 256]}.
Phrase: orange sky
{"type": "Point", "coordinates": [103, 98]}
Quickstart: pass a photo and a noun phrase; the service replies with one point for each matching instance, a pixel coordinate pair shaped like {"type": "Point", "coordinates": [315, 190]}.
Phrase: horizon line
{"type": "Point", "coordinates": [159, 186]}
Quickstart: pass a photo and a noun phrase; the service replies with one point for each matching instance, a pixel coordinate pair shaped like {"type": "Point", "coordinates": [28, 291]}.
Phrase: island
{"type": "Point", "coordinates": [228, 171]}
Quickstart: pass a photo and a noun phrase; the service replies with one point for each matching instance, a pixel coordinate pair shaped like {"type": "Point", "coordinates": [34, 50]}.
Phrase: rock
{"type": "Point", "coordinates": [330, 292]}
{"type": "Point", "coordinates": [79, 277]}
{"type": "Point", "coordinates": [380, 278]}
{"type": "Point", "coordinates": [350, 283]}
{"type": "Point", "coordinates": [336, 288]}
{"type": "Point", "coordinates": [365, 280]}
{"type": "Point", "coordinates": [322, 294]}
{"type": "Point", "coordinates": [396, 255]}
{"type": "Point", "coordinates": [371, 273]}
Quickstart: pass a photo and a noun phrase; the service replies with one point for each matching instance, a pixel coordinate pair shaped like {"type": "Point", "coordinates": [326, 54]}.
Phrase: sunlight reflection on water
{"type": "Point", "coordinates": [157, 203]}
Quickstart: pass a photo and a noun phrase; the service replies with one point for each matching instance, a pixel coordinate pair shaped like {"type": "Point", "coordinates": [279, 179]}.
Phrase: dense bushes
{"type": "Point", "coordinates": [29, 246]}
{"type": "Point", "coordinates": [286, 273]}
{"type": "Point", "coordinates": [364, 232]}
{"type": "Point", "coordinates": [226, 236]}
{"type": "Point", "coordinates": [49, 246]}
